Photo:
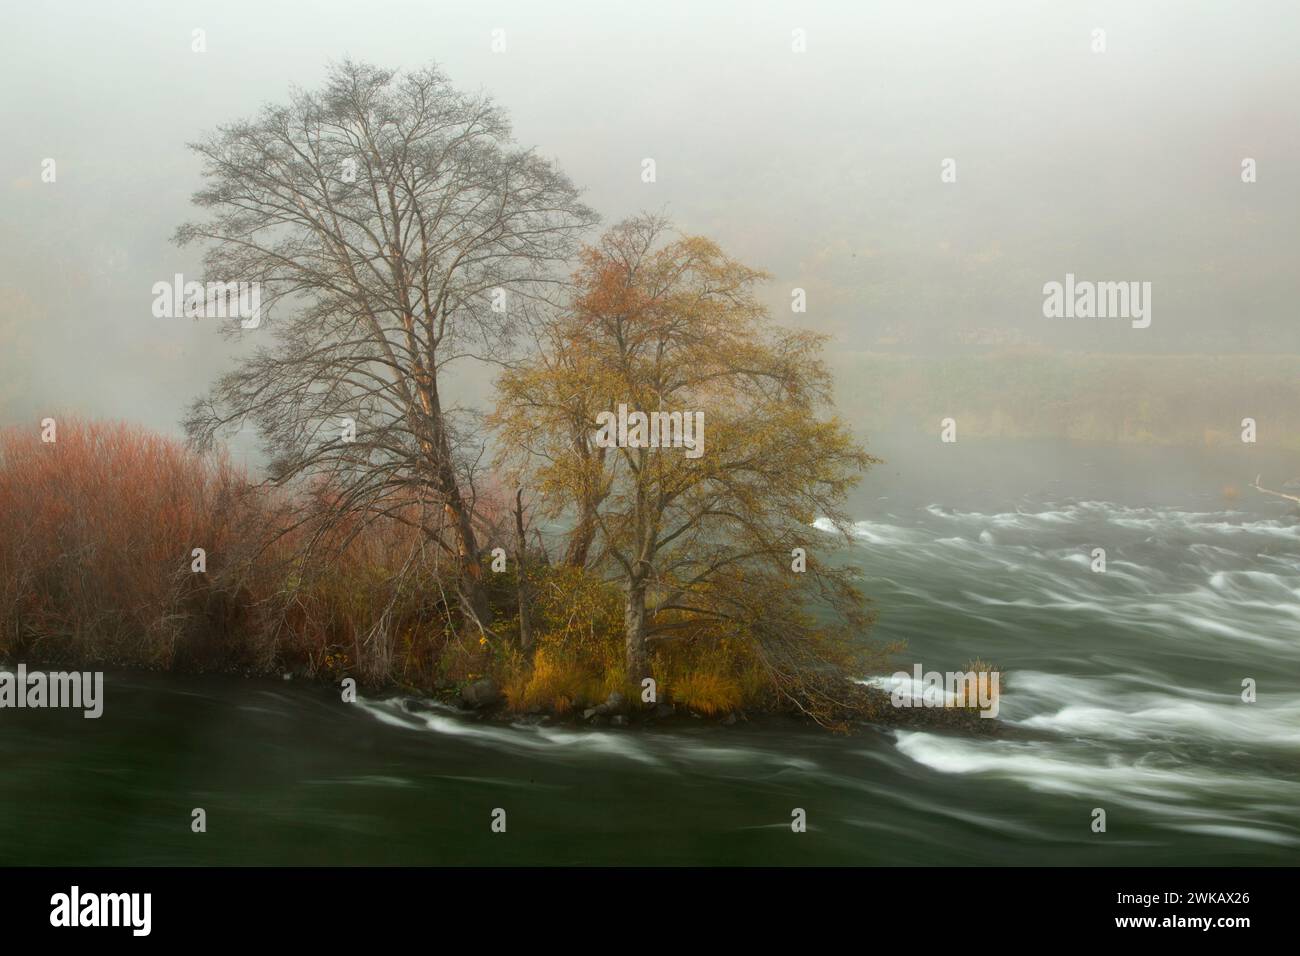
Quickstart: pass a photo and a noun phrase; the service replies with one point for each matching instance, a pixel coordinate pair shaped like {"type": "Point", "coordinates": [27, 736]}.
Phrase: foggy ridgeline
{"type": "Point", "coordinates": [1190, 400]}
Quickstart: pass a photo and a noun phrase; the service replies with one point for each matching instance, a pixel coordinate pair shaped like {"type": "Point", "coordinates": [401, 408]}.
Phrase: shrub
{"type": "Point", "coordinates": [96, 537]}
{"type": "Point", "coordinates": [707, 692]}
{"type": "Point", "coordinates": [96, 534]}
{"type": "Point", "coordinates": [554, 680]}
{"type": "Point", "coordinates": [97, 531]}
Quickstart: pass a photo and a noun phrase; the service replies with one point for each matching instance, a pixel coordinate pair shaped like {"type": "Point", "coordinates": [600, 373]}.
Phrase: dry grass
{"type": "Point", "coordinates": [553, 681]}
{"type": "Point", "coordinates": [968, 696]}
{"type": "Point", "coordinates": [707, 692]}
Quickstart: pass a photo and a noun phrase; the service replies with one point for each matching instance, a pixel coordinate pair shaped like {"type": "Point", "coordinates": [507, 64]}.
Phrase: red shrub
{"type": "Point", "coordinates": [97, 531]}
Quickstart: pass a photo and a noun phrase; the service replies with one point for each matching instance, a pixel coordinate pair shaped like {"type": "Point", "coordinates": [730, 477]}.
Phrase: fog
{"type": "Point", "coordinates": [822, 167]}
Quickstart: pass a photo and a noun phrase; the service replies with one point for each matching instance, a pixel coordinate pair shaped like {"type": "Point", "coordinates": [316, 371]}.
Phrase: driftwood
{"type": "Point", "coordinates": [1269, 491]}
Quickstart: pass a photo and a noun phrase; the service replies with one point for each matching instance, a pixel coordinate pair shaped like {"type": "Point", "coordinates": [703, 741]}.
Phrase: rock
{"type": "Point", "coordinates": [618, 720]}
{"type": "Point", "coordinates": [589, 713]}
{"type": "Point", "coordinates": [614, 703]}
{"type": "Point", "coordinates": [729, 720]}
{"type": "Point", "coordinates": [665, 710]}
{"type": "Point", "coordinates": [480, 693]}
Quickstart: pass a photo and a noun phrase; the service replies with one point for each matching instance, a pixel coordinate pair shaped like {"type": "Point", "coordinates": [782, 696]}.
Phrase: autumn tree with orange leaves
{"type": "Point", "coordinates": [703, 548]}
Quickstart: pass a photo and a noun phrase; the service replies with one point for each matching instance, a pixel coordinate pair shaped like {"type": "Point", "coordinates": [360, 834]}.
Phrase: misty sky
{"type": "Point", "coordinates": [821, 167]}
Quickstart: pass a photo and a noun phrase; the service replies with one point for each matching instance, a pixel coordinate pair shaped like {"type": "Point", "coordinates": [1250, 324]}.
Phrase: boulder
{"type": "Point", "coordinates": [480, 693]}
{"type": "Point", "coordinates": [614, 704]}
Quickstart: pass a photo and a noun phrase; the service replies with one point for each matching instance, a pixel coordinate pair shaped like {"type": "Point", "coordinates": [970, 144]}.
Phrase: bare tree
{"type": "Point", "coordinates": [394, 229]}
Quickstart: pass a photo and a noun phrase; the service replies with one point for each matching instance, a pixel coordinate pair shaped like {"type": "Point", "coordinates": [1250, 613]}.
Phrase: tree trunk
{"type": "Point", "coordinates": [634, 618]}
{"type": "Point", "coordinates": [584, 532]}
{"type": "Point", "coordinates": [581, 537]}
{"type": "Point", "coordinates": [469, 578]}
{"type": "Point", "coordinates": [469, 585]}
{"type": "Point", "coordinates": [521, 568]}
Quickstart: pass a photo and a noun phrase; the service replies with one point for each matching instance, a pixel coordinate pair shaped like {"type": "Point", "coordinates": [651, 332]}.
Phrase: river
{"type": "Point", "coordinates": [1122, 691]}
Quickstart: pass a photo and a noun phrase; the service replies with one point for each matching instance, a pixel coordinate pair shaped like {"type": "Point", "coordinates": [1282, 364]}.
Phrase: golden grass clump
{"type": "Point", "coordinates": [554, 681]}
{"type": "Point", "coordinates": [707, 692]}
{"type": "Point", "coordinates": [967, 694]}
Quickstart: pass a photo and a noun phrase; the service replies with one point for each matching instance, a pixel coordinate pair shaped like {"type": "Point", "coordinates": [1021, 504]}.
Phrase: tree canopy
{"type": "Point", "coordinates": [709, 547]}
{"type": "Point", "coordinates": [394, 228]}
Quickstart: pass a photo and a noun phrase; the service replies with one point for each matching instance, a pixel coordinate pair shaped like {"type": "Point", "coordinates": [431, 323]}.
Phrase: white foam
{"type": "Point", "coordinates": [516, 737]}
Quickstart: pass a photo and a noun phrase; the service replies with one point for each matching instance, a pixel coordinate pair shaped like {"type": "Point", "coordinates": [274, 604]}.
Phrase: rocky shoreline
{"type": "Point", "coordinates": [481, 700]}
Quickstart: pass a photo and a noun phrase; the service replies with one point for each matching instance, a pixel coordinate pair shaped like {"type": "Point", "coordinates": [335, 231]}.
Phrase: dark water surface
{"type": "Point", "coordinates": [1122, 692]}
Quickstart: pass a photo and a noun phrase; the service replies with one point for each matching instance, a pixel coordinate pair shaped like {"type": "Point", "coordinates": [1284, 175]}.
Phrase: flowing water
{"type": "Point", "coordinates": [1122, 691]}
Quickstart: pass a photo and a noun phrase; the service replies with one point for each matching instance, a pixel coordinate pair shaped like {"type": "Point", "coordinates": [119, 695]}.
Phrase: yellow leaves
{"type": "Point", "coordinates": [556, 680]}
{"type": "Point", "coordinates": [659, 323]}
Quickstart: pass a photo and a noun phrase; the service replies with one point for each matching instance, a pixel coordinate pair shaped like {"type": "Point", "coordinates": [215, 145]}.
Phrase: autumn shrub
{"type": "Point", "coordinates": [374, 595]}
{"type": "Point", "coordinates": [711, 674]}
{"type": "Point", "coordinates": [707, 692]}
{"type": "Point", "coordinates": [352, 599]}
{"type": "Point", "coordinates": [98, 531]}
{"type": "Point", "coordinates": [97, 536]}
{"type": "Point", "coordinates": [578, 656]}
{"type": "Point", "coordinates": [556, 680]}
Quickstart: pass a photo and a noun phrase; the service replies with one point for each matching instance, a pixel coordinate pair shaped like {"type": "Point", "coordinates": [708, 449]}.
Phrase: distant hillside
{"type": "Point", "coordinates": [1144, 399]}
